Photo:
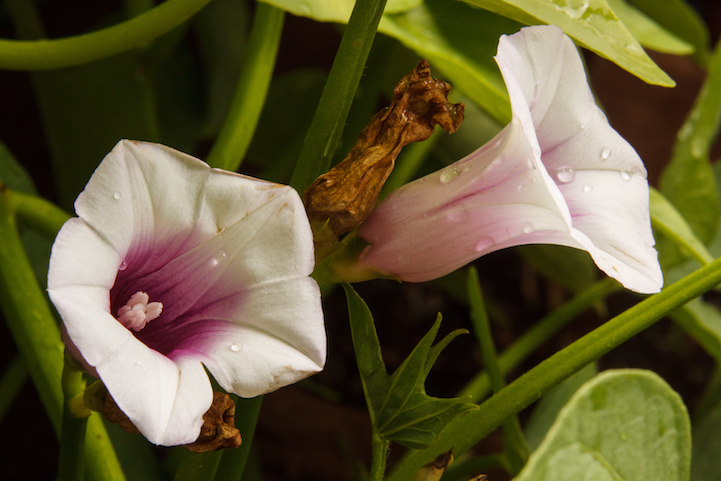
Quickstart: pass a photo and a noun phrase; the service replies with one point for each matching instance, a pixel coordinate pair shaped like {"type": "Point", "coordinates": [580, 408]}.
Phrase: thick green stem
{"type": "Point", "coordinates": [379, 446]}
{"type": "Point", "coordinates": [37, 337]}
{"type": "Point", "coordinates": [255, 76]}
{"type": "Point", "coordinates": [80, 49]}
{"type": "Point", "coordinates": [467, 430]}
{"type": "Point", "coordinates": [325, 131]}
{"type": "Point", "coordinates": [71, 466]}
{"type": "Point", "coordinates": [480, 386]}
{"type": "Point", "coordinates": [38, 214]}
{"type": "Point", "coordinates": [12, 381]}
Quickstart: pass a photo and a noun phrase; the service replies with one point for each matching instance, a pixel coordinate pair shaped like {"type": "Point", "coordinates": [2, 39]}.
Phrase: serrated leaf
{"type": "Point", "coordinates": [592, 24]}
{"type": "Point", "coordinates": [398, 405]}
{"type": "Point", "coordinates": [688, 181]}
{"type": "Point", "coordinates": [624, 425]}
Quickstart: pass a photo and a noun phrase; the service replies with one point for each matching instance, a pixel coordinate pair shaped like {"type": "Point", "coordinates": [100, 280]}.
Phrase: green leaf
{"type": "Point", "coordinates": [688, 181]}
{"type": "Point", "coordinates": [335, 10]}
{"type": "Point", "coordinates": [702, 321]}
{"type": "Point", "coordinates": [679, 18]}
{"type": "Point", "coordinates": [624, 425]}
{"type": "Point", "coordinates": [12, 174]}
{"type": "Point", "coordinates": [547, 409]}
{"type": "Point", "coordinates": [398, 405]}
{"type": "Point", "coordinates": [670, 223]}
{"type": "Point", "coordinates": [649, 33]}
{"type": "Point", "coordinates": [592, 24]}
{"type": "Point", "coordinates": [705, 464]}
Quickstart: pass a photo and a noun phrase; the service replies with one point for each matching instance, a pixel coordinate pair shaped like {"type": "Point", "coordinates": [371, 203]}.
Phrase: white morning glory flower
{"type": "Point", "coordinates": [557, 174]}
{"type": "Point", "coordinates": [172, 266]}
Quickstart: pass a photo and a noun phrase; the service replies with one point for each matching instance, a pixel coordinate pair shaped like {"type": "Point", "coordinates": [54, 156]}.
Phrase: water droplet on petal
{"type": "Point", "coordinates": [219, 258]}
{"type": "Point", "coordinates": [606, 153]}
{"type": "Point", "coordinates": [531, 175]}
{"type": "Point", "coordinates": [483, 244]}
{"type": "Point", "coordinates": [449, 174]}
{"type": "Point", "coordinates": [236, 347]}
{"type": "Point", "coordinates": [123, 265]}
{"type": "Point", "coordinates": [626, 174]}
{"type": "Point", "coordinates": [587, 188]}
{"type": "Point", "coordinates": [527, 229]}
{"type": "Point", "coordinates": [404, 259]}
{"type": "Point", "coordinates": [116, 195]}
{"type": "Point", "coordinates": [457, 215]}
{"type": "Point", "coordinates": [641, 172]}
{"type": "Point", "coordinates": [565, 175]}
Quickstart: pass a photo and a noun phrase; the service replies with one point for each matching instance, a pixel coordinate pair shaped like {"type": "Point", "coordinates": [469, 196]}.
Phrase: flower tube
{"type": "Point", "coordinates": [557, 174]}
{"type": "Point", "coordinates": [172, 267]}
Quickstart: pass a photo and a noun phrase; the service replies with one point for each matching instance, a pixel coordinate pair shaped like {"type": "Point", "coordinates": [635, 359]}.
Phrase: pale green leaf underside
{"type": "Point", "coordinates": [623, 425]}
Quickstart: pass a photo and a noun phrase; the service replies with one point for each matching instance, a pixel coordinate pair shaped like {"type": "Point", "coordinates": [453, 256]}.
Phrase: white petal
{"type": "Point", "coordinates": [276, 338]}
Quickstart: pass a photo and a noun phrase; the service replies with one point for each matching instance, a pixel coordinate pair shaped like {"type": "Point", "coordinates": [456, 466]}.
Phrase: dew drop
{"type": "Point", "coordinates": [530, 175]}
{"type": "Point", "coordinates": [116, 195]}
{"type": "Point", "coordinates": [566, 175]}
{"type": "Point", "coordinates": [449, 174]}
{"type": "Point", "coordinates": [587, 188]}
{"type": "Point", "coordinates": [626, 174]}
{"type": "Point", "coordinates": [605, 153]}
{"type": "Point", "coordinates": [457, 215]}
{"type": "Point", "coordinates": [483, 244]}
{"type": "Point", "coordinates": [641, 172]}
{"type": "Point", "coordinates": [527, 229]}
{"type": "Point", "coordinates": [404, 259]}
{"type": "Point", "coordinates": [235, 347]}
{"type": "Point", "coordinates": [123, 265]}
{"type": "Point", "coordinates": [220, 257]}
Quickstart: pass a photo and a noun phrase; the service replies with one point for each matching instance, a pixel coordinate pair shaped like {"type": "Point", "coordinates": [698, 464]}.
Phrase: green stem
{"type": "Point", "coordinates": [379, 452]}
{"type": "Point", "coordinates": [234, 461]}
{"type": "Point", "coordinates": [74, 426]}
{"type": "Point", "coordinates": [327, 126]}
{"type": "Point", "coordinates": [80, 49]}
{"type": "Point", "coordinates": [467, 430]}
{"type": "Point", "coordinates": [480, 386]}
{"type": "Point", "coordinates": [255, 76]}
{"type": "Point", "coordinates": [12, 381]}
{"type": "Point", "coordinates": [36, 334]}
{"type": "Point", "coordinates": [515, 445]}
{"type": "Point", "coordinates": [198, 466]}
{"type": "Point", "coordinates": [38, 214]}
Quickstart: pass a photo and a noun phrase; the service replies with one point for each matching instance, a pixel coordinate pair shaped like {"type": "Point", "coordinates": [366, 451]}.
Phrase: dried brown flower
{"type": "Point", "coordinates": [347, 194]}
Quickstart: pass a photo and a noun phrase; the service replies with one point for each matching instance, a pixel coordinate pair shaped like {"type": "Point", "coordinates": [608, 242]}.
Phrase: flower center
{"type": "Point", "coordinates": [137, 312]}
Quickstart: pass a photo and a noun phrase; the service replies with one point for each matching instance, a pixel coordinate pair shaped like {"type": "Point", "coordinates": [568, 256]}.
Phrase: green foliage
{"type": "Point", "coordinates": [649, 33]}
{"type": "Point", "coordinates": [399, 407]}
{"type": "Point", "coordinates": [688, 181]}
{"type": "Point", "coordinates": [624, 425]}
{"type": "Point", "coordinates": [12, 174]}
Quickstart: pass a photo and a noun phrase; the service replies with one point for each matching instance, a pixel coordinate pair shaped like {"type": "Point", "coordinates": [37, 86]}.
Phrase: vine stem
{"type": "Point", "coordinates": [467, 430]}
{"type": "Point", "coordinates": [80, 49]}
{"type": "Point", "coordinates": [325, 130]}
{"type": "Point", "coordinates": [255, 76]}
{"type": "Point", "coordinates": [379, 446]}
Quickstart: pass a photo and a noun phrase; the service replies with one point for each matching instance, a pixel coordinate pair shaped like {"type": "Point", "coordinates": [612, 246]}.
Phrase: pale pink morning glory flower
{"type": "Point", "coordinates": [172, 266]}
{"type": "Point", "coordinates": [557, 174]}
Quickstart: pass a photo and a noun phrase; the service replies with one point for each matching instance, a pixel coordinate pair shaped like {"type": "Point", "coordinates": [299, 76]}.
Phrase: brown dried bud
{"type": "Point", "coordinates": [435, 469]}
{"type": "Point", "coordinates": [218, 430]}
{"type": "Point", "coordinates": [347, 194]}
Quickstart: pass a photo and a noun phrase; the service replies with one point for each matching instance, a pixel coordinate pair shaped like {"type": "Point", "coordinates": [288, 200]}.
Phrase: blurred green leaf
{"type": "Point", "coordinates": [705, 464]}
{"type": "Point", "coordinates": [592, 24]}
{"type": "Point", "coordinates": [572, 268]}
{"type": "Point", "coordinates": [649, 33]}
{"type": "Point", "coordinates": [688, 181]}
{"type": "Point", "coordinates": [86, 110]}
{"type": "Point", "coordinates": [679, 18]}
{"type": "Point", "coordinates": [669, 221]}
{"type": "Point", "coordinates": [624, 425]}
{"type": "Point", "coordinates": [12, 174]}
{"type": "Point", "coordinates": [702, 321]}
{"type": "Point", "coordinates": [399, 407]}
{"type": "Point", "coordinates": [335, 10]}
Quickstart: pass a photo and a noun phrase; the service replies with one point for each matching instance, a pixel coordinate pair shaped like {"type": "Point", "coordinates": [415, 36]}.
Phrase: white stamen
{"type": "Point", "coordinates": [136, 313]}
